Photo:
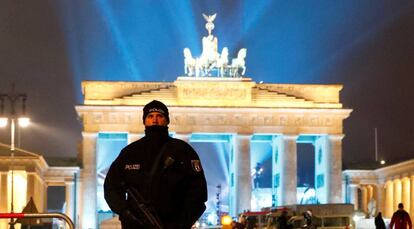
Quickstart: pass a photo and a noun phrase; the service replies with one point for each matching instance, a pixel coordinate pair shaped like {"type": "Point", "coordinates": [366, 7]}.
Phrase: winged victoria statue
{"type": "Point", "coordinates": [211, 62]}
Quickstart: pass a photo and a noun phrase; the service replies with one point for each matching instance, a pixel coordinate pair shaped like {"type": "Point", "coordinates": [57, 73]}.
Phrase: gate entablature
{"type": "Point", "coordinates": [211, 92]}
{"type": "Point", "coordinates": [231, 104]}
{"type": "Point", "coordinates": [218, 119]}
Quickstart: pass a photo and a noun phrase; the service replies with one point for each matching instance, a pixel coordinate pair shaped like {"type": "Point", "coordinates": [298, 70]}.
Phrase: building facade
{"type": "Point", "coordinates": [29, 176]}
{"type": "Point", "coordinates": [382, 188]}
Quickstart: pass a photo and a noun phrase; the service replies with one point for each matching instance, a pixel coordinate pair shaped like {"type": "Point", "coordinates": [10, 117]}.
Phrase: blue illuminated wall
{"type": "Point", "coordinates": [215, 152]}
{"type": "Point", "coordinates": [321, 168]}
{"type": "Point", "coordinates": [108, 146]}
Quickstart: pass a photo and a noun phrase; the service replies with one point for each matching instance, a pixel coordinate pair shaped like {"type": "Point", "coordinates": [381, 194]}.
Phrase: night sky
{"type": "Point", "coordinates": [48, 47]}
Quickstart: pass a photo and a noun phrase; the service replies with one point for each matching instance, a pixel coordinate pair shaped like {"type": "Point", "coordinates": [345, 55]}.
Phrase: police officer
{"type": "Point", "coordinates": [166, 171]}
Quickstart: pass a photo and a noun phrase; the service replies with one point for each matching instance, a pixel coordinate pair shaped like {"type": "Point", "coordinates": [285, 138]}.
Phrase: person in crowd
{"type": "Point", "coordinates": [379, 221]}
{"type": "Point", "coordinates": [400, 219]}
{"type": "Point", "coordinates": [282, 221]}
{"type": "Point", "coordinates": [311, 222]}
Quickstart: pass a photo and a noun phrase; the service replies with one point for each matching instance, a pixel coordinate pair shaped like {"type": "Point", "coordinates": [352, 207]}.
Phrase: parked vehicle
{"type": "Point", "coordinates": [324, 216]}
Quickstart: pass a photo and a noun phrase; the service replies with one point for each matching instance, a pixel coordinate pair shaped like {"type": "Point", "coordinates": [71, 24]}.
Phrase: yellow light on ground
{"type": "Point", "coordinates": [226, 220]}
{"type": "Point", "coordinates": [382, 162]}
{"type": "Point", "coordinates": [24, 121]}
{"type": "Point", "coordinates": [3, 122]}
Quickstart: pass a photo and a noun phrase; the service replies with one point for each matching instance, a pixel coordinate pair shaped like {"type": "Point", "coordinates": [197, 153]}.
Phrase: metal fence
{"type": "Point", "coordinates": [38, 215]}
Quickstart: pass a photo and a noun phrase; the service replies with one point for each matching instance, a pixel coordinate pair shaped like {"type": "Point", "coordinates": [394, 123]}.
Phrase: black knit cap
{"type": "Point", "coordinates": [155, 106]}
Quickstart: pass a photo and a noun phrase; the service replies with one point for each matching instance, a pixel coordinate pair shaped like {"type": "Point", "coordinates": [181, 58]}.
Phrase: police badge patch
{"type": "Point", "coordinates": [196, 165]}
{"type": "Point", "coordinates": [132, 167]}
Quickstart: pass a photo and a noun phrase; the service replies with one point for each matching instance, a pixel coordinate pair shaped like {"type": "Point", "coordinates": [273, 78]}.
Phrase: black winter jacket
{"type": "Point", "coordinates": [177, 189]}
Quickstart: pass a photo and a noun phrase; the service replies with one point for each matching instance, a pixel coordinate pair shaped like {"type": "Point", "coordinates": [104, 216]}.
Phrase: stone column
{"type": "Point", "coordinates": [370, 192]}
{"type": "Point", "coordinates": [288, 169]}
{"type": "Point", "coordinates": [364, 193]}
{"type": "Point", "coordinates": [397, 193]}
{"type": "Point", "coordinates": [31, 192]}
{"type": "Point", "coordinates": [4, 205]}
{"type": "Point", "coordinates": [88, 212]}
{"type": "Point", "coordinates": [69, 199]}
{"type": "Point", "coordinates": [412, 196]}
{"type": "Point", "coordinates": [389, 199]}
{"type": "Point", "coordinates": [334, 168]}
{"type": "Point", "coordinates": [380, 197]}
{"type": "Point", "coordinates": [354, 195]}
{"type": "Point", "coordinates": [405, 193]}
{"type": "Point", "coordinates": [242, 176]}
{"type": "Point", "coordinates": [43, 200]}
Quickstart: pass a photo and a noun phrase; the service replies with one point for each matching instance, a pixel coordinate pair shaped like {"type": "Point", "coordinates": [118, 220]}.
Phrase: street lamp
{"type": "Point", "coordinates": [23, 121]}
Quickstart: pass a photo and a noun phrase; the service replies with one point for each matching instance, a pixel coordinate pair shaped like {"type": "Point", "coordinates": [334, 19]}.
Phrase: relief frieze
{"type": "Point", "coordinates": [298, 121]}
{"type": "Point", "coordinates": [191, 120]}
{"type": "Point", "coordinates": [214, 93]}
{"type": "Point", "coordinates": [226, 119]}
{"type": "Point", "coordinates": [268, 120]}
{"type": "Point", "coordinates": [113, 117]}
{"type": "Point", "coordinates": [283, 120]}
{"type": "Point", "coordinates": [97, 117]}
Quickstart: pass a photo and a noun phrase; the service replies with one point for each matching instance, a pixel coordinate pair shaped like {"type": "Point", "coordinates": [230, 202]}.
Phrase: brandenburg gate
{"type": "Point", "coordinates": [215, 97]}
{"type": "Point", "coordinates": [283, 114]}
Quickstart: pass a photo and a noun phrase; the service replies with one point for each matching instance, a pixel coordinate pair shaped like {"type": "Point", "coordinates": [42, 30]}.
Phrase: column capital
{"type": "Point", "coordinates": [404, 177]}
{"type": "Point", "coordinates": [289, 136]}
{"type": "Point", "coordinates": [396, 178]}
{"type": "Point", "coordinates": [380, 185]}
{"type": "Point", "coordinates": [363, 187]}
{"type": "Point", "coordinates": [178, 134]}
{"type": "Point", "coordinates": [381, 181]}
{"type": "Point", "coordinates": [335, 137]}
{"type": "Point", "coordinates": [69, 182]}
{"type": "Point", "coordinates": [89, 134]}
{"type": "Point", "coordinates": [244, 134]}
{"type": "Point", "coordinates": [389, 180]}
{"type": "Point", "coordinates": [135, 135]}
{"type": "Point", "coordinates": [353, 185]}
{"type": "Point", "coordinates": [240, 136]}
{"type": "Point", "coordinates": [183, 136]}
